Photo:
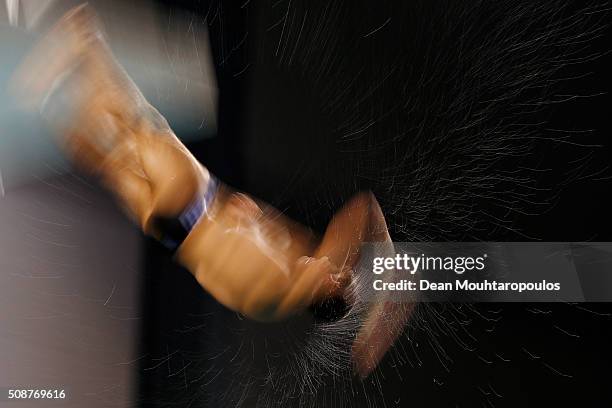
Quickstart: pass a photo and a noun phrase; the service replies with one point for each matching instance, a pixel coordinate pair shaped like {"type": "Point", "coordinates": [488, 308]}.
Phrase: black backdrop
{"type": "Point", "coordinates": [318, 101]}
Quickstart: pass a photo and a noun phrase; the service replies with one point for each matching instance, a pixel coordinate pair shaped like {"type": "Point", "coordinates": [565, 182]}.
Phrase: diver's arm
{"type": "Point", "coordinates": [246, 254]}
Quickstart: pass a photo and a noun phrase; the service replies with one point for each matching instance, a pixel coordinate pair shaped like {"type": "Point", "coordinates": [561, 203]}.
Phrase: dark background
{"type": "Point", "coordinates": [487, 121]}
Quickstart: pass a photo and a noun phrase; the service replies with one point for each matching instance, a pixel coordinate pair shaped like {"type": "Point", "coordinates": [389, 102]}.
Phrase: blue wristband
{"type": "Point", "coordinates": [174, 231]}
